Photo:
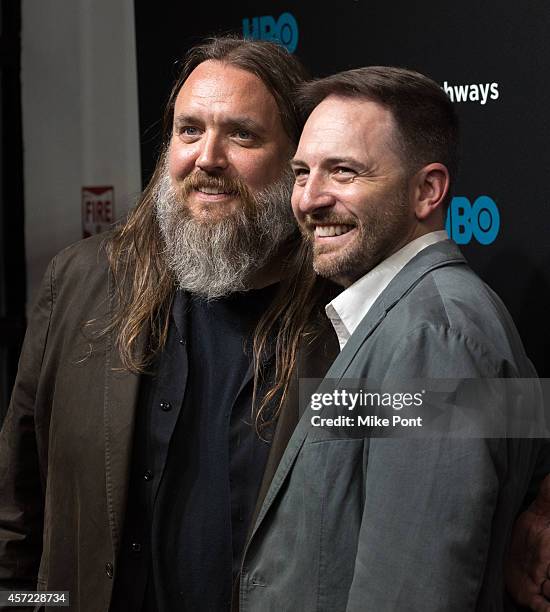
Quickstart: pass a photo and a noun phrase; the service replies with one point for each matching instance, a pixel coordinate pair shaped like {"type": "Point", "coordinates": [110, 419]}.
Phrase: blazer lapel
{"type": "Point", "coordinates": [435, 256]}
{"type": "Point", "coordinates": [119, 406]}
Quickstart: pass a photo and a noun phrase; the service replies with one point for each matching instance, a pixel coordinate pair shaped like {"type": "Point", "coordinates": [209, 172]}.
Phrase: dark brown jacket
{"type": "Point", "coordinates": [66, 443]}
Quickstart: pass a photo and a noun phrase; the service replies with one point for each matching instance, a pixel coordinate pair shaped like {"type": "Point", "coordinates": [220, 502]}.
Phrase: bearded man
{"type": "Point", "coordinates": [141, 429]}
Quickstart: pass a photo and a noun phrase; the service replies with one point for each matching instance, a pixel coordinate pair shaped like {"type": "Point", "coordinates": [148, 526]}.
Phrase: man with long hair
{"type": "Point", "coordinates": [157, 387]}
{"type": "Point", "coordinates": [157, 384]}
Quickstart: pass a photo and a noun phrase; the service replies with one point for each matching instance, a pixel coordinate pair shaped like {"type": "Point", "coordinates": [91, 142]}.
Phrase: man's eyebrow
{"type": "Point", "coordinates": [180, 120]}
{"type": "Point", "coordinates": [242, 123]}
{"type": "Point", "coordinates": [331, 161]}
{"type": "Point", "coordinates": [337, 161]}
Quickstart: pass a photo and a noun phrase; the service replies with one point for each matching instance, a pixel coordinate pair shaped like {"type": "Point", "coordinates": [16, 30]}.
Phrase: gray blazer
{"type": "Point", "coordinates": [381, 525]}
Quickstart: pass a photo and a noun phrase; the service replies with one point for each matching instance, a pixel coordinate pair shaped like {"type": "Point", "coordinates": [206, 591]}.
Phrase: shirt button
{"type": "Point", "coordinates": [166, 406]}
{"type": "Point", "coordinates": [109, 569]}
{"type": "Point", "coordinates": [148, 475]}
{"type": "Point", "coordinates": [136, 547]}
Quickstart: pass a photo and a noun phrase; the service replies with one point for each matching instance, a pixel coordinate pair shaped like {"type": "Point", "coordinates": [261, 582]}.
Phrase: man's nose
{"type": "Point", "coordinates": [212, 156]}
{"type": "Point", "coordinates": [314, 195]}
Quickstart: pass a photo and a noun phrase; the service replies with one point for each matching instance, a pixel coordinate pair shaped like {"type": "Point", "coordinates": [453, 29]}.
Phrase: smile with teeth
{"type": "Point", "coordinates": [212, 191]}
{"type": "Point", "coordinates": [326, 231]}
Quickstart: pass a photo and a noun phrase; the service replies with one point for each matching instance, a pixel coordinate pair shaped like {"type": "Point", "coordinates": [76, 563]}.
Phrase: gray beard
{"type": "Point", "coordinates": [215, 259]}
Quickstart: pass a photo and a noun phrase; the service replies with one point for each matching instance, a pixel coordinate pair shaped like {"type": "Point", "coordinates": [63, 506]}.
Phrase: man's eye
{"type": "Point", "coordinates": [343, 170]}
{"type": "Point", "coordinates": [243, 135]}
{"type": "Point", "coordinates": [300, 172]}
{"type": "Point", "coordinates": [189, 130]}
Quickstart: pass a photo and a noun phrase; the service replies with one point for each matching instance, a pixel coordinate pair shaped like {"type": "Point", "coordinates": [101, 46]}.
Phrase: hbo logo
{"type": "Point", "coordinates": [283, 30]}
{"type": "Point", "coordinates": [480, 220]}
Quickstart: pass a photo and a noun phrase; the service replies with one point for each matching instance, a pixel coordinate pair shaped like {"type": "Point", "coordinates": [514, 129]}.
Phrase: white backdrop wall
{"type": "Point", "coordinates": [80, 118]}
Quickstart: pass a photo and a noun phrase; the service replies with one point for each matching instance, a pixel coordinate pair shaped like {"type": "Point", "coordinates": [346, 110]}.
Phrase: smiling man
{"type": "Point", "coordinates": [353, 521]}
{"type": "Point", "coordinates": [141, 429]}
{"type": "Point", "coordinates": [228, 156]}
{"type": "Point", "coordinates": [355, 209]}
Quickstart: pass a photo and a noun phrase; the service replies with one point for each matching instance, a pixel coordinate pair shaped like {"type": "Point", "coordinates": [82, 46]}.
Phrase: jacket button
{"type": "Point", "coordinates": [148, 475]}
{"type": "Point", "coordinates": [109, 569]}
{"type": "Point", "coordinates": [166, 406]}
{"type": "Point", "coordinates": [136, 547]}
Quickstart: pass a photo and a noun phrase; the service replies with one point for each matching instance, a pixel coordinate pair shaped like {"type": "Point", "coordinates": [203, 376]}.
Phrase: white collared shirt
{"type": "Point", "coordinates": [348, 309]}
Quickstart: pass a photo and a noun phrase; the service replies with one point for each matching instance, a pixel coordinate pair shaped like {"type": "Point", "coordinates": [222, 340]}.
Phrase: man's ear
{"type": "Point", "coordinates": [430, 187]}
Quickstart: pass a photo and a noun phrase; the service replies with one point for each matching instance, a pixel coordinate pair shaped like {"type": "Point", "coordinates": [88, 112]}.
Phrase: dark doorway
{"type": "Point", "coordinates": [12, 244]}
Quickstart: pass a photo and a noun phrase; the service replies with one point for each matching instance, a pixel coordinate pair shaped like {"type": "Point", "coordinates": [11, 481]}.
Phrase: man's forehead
{"type": "Point", "coordinates": [344, 112]}
{"type": "Point", "coordinates": [358, 122]}
{"type": "Point", "coordinates": [219, 82]}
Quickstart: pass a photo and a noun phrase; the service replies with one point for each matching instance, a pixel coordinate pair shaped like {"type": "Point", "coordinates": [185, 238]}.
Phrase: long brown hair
{"type": "Point", "coordinates": [145, 286]}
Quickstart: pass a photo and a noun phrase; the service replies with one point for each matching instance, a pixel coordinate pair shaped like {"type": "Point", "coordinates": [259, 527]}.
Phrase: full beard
{"type": "Point", "coordinates": [216, 257]}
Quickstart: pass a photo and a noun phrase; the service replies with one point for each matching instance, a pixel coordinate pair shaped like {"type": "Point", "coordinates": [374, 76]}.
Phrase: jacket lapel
{"type": "Point", "coordinates": [435, 256]}
{"type": "Point", "coordinates": [119, 406]}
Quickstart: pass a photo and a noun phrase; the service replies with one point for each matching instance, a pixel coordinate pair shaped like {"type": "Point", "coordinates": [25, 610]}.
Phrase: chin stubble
{"type": "Point", "coordinates": [377, 232]}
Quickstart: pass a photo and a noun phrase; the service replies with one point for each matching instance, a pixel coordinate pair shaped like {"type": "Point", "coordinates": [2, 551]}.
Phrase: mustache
{"type": "Point", "coordinates": [200, 179]}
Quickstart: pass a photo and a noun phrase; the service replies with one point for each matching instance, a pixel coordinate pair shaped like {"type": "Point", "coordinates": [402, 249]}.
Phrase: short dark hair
{"type": "Point", "coordinates": [423, 113]}
{"type": "Point", "coordinates": [280, 71]}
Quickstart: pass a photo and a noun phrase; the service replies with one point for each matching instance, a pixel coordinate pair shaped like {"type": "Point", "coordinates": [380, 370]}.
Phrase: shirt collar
{"type": "Point", "coordinates": [348, 309]}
